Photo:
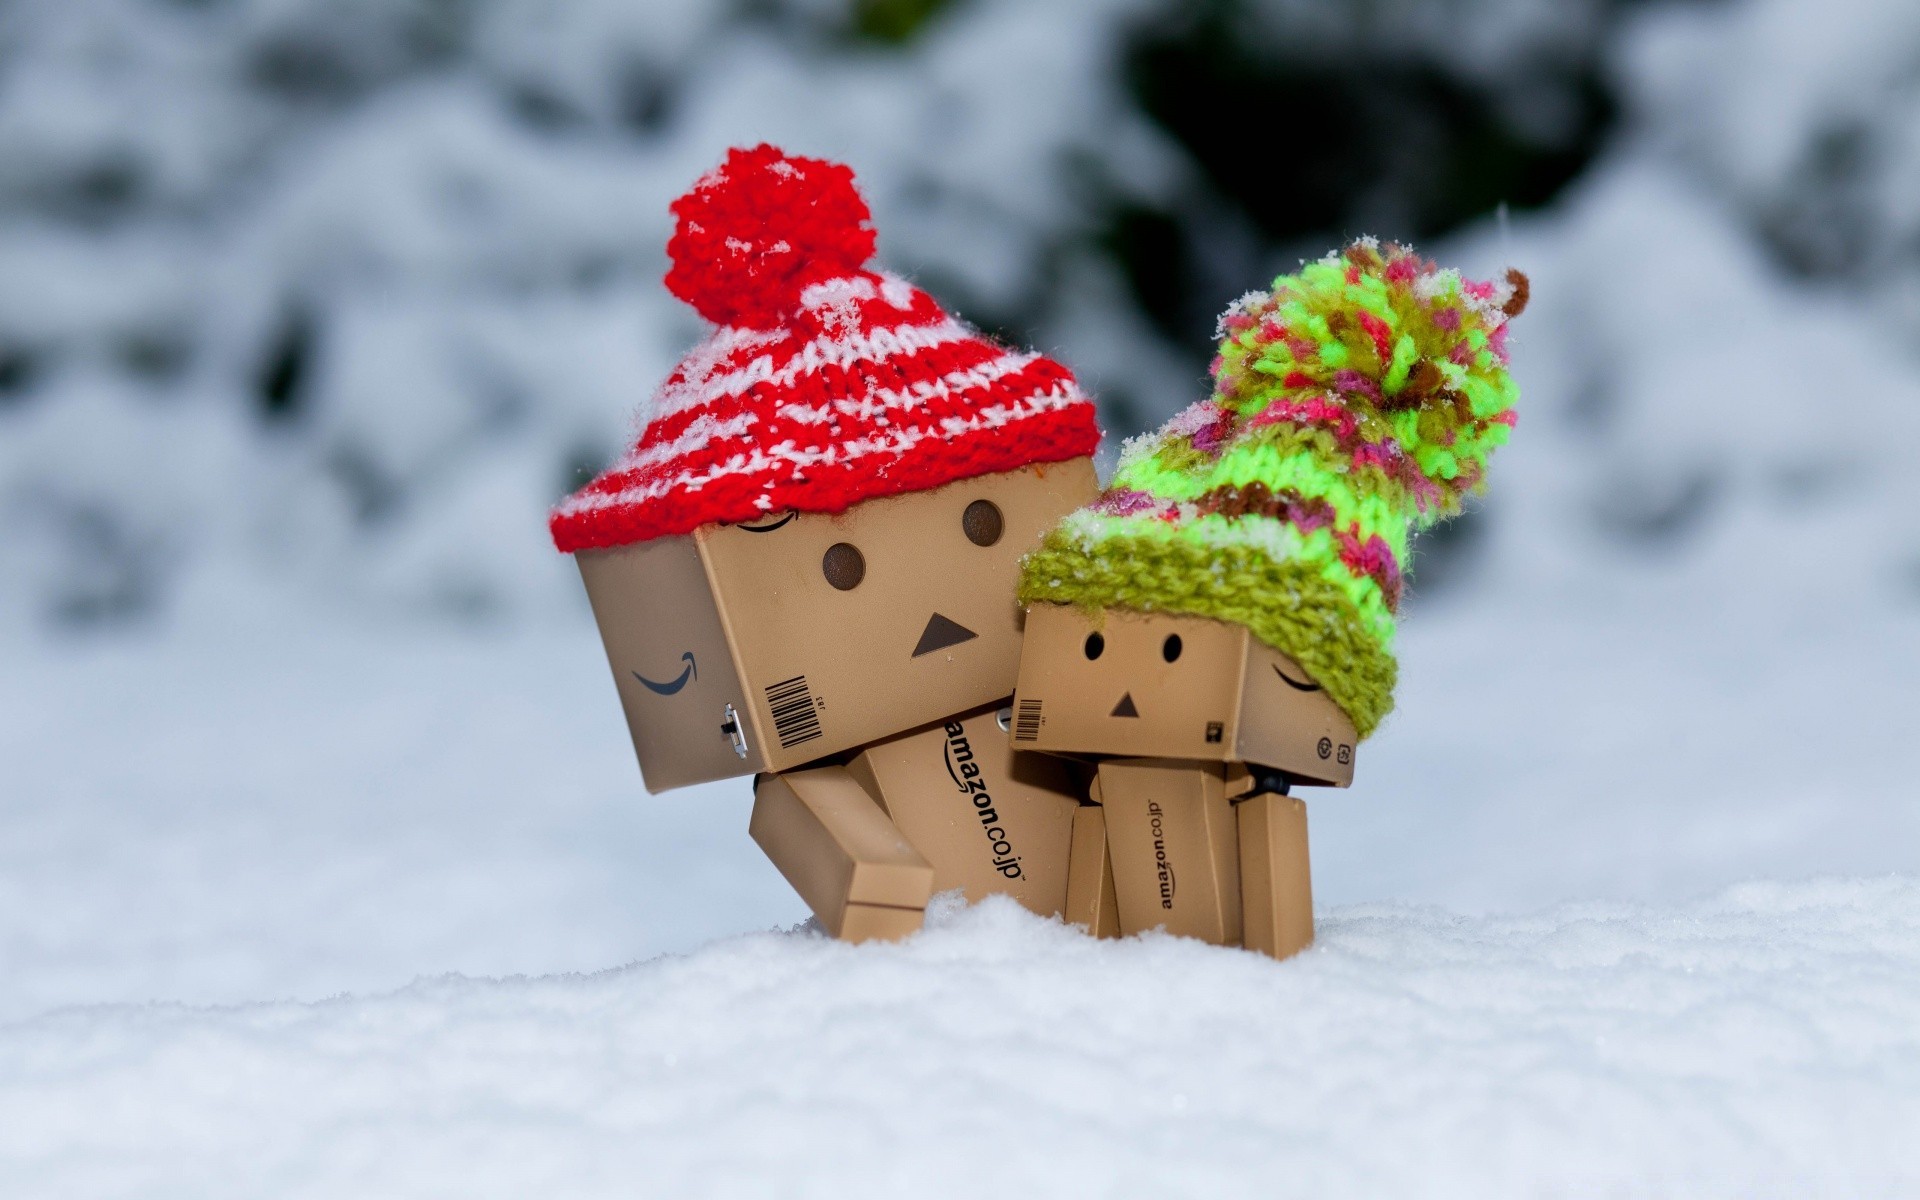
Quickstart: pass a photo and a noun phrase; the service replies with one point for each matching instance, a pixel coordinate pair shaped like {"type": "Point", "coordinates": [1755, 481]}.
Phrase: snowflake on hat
{"type": "Point", "coordinates": [823, 383]}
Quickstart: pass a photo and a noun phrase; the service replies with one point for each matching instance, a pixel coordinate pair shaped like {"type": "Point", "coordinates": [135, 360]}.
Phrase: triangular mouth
{"type": "Point", "coordinates": [940, 633]}
{"type": "Point", "coordinates": [1125, 708]}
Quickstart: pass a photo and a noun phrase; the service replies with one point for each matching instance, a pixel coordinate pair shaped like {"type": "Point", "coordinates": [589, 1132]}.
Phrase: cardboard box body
{"type": "Point", "coordinates": [1175, 846]}
{"type": "Point", "coordinates": [988, 819]}
{"type": "Point", "coordinates": [735, 653]}
{"type": "Point", "coordinates": [1226, 696]}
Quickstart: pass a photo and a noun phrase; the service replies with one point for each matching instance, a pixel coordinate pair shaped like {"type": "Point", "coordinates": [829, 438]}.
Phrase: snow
{"type": "Point", "coordinates": [1688, 766]}
{"type": "Point", "coordinates": [324, 863]}
{"type": "Point", "coordinates": [279, 804]}
{"type": "Point", "coordinates": [288, 817]}
{"type": "Point", "coordinates": [261, 809]}
{"type": "Point", "coordinates": [450, 221]}
{"type": "Point", "coordinates": [1758, 1043]}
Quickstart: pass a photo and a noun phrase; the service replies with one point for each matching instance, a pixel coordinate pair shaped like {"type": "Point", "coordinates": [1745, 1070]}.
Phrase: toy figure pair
{"type": "Point", "coordinates": [844, 508]}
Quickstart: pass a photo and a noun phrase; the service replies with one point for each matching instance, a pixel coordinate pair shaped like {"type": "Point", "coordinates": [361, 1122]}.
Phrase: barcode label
{"type": "Point", "coordinates": [794, 720]}
{"type": "Point", "coordinates": [1026, 723]}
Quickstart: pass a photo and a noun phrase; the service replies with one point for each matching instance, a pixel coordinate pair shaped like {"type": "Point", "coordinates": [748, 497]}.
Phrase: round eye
{"type": "Point", "coordinates": [1170, 649]}
{"type": "Point", "coordinates": [983, 522]}
{"type": "Point", "coordinates": [1095, 646]}
{"type": "Point", "coordinates": [844, 566]}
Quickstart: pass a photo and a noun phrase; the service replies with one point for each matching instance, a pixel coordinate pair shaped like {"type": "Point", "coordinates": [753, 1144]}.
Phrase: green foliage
{"type": "Point", "coordinates": [895, 22]}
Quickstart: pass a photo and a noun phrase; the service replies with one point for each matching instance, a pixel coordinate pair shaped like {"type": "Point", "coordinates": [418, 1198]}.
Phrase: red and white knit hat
{"type": "Point", "coordinates": [825, 384]}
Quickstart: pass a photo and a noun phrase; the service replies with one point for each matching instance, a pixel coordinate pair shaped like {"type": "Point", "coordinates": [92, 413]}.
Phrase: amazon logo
{"type": "Point", "coordinates": [773, 525]}
{"type": "Point", "coordinates": [690, 671]}
{"type": "Point", "coordinates": [1295, 685]}
{"type": "Point", "coordinates": [1163, 866]}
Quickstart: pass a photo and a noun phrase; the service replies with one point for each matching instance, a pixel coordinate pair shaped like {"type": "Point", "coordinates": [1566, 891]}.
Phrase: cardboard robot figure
{"type": "Point", "coordinates": [804, 567]}
{"type": "Point", "coordinates": [1217, 627]}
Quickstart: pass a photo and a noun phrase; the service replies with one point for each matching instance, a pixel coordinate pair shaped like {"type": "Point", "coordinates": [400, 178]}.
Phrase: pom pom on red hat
{"type": "Point", "coordinates": [762, 227]}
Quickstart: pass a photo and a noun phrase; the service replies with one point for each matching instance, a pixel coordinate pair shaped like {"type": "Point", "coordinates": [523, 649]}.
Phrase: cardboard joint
{"type": "Point", "coordinates": [834, 845]}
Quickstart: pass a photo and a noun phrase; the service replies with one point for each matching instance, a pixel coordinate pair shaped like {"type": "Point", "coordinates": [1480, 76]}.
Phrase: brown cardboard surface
{"type": "Point", "coordinates": [988, 819]}
{"type": "Point", "coordinates": [671, 662]}
{"type": "Point", "coordinates": [1173, 839]}
{"type": "Point", "coordinates": [834, 845]}
{"type": "Point", "coordinates": [1223, 839]}
{"type": "Point", "coordinates": [744, 615]}
{"type": "Point", "coordinates": [1067, 702]}
{"type": "Point", "coordinates": [1301, 732]}
{"type": "Point", "coordinates": [931, 629]}
{"type": "Point", "coordinates": [1091, 902]}
{"type": "Point", "coordinates": [1225, 698]}
{"type": "Point", "coordinates": [1276, 884]}
{"type": "Point", "coordinates": [875, 923]}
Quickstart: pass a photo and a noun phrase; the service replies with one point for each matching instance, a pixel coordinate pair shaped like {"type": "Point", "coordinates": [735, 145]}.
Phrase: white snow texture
{"type": "Point", "coordinates": [1758, 1044]}
{"type": "Point", "coordinates": [324, 865]}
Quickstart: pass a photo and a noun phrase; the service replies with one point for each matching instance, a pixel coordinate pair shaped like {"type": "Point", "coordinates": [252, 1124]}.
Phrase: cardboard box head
{"type": "Point", "coordinates": [746, 648]}
{"type": "Point", "coordinates": [1155, 685]}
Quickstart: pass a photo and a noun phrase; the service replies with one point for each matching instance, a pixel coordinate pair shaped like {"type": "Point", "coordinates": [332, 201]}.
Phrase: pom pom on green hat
{"type": "Point", "coordinates": [1353, 405]}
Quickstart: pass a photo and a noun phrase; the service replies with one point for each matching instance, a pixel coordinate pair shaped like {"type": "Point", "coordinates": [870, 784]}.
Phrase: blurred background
{"type": "Point", "coordinates": [309, 309]}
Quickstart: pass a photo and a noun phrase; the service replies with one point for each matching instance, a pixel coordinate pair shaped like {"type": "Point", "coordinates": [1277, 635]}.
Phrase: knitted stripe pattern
{"type": "Point", "coordinates": [823, 383]}
{"type": "Point", "coordinates": [1354, 404]}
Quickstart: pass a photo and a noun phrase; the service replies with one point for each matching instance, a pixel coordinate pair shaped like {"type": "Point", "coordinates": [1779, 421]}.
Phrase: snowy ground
{"type": "Point", "coordinates": [265, 816]}
{"type": "Point", "coordinates": [291, 811]}
{"type": "Point", "coordinates": [249, 812]}
{"type": "Point", "coordinates": [1758, 1044]}
{"type": "Point", "coordinates": [343, 897]}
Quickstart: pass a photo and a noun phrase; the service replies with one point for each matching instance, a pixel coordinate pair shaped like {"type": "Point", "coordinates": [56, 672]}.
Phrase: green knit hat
{"type": "Point", "coordinates": [1353, 405]}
